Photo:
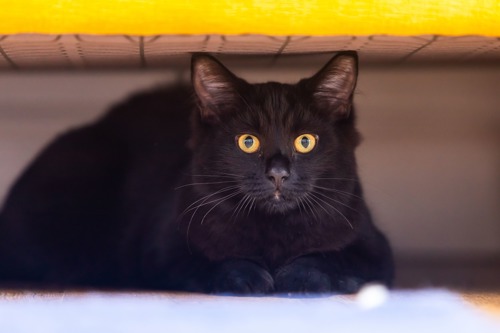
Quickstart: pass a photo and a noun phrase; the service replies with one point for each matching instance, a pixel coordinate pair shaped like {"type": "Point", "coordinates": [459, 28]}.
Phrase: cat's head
{"type": "Point", "coordinates": [271, 146]}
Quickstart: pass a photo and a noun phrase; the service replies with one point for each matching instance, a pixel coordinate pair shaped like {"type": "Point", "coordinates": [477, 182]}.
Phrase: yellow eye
{"type": "Point", "coordinates": [248, 143]}
{"type": "Point", "coordinates": [305, 143]}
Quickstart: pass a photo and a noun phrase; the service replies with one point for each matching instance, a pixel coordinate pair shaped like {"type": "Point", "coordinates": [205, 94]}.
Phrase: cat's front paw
{"type": "Point", "coordinates": [242, 277]}
{"type": "Point", "coordinates": [305, 275]}
{"type": "Point", "coordinates": [304, 279]}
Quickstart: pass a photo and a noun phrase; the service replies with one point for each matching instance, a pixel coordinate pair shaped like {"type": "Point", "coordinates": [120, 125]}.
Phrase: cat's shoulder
{"type": "Point", "coordinates": [149, 113]}
{"type": "Point", "coordinates": [157, 102]}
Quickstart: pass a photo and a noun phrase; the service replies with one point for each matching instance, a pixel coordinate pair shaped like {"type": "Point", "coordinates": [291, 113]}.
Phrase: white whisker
{"type": "Point", "coordinates": [297, 200]}
{"type": "Point", "coordinates": [203, 203]}
{"type": "Point", "coordinates": [337, 191]}
{"type": "Point", "coordinates": [307, 201]}
{"type": "Point", "coordinates": [237, 208]}
{"type": "Point", "coordinates": [203, 199]}
{"type": "Point", "coordinates": [251, 206]}
{"type": "Point", "coordinates": [335, 178]}
{"type": "Point", "coordinates": [228, 175]}
{"type": "Point", "coordinates": [321, 206]}
{"type": "Point", "coordinates": [246, 198]}
{"type": "Point", "coordinates": [207, 183]}
{"type": "Point", "coordinates": [339, 202]}
{"type": "Point", "coordinates": [338, 211]}
{"type": "Point", "coordinates": [227, 197]}
{"type": "Point", "coordinates": [247, 205]}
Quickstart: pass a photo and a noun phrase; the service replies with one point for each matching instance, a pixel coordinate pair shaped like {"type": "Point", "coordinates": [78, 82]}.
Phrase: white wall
{"type": "Point", "coordinates": [431, 157]}
{"type": "Point", "coordinates": [430, 160]}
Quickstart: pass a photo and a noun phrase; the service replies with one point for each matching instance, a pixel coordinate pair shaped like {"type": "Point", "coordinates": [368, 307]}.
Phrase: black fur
{"type": "Point", "coordinates": [157, 193]}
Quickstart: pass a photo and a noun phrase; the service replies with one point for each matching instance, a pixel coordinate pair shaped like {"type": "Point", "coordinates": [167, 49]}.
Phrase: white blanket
{"type": "Point", "coordinates": [404, 311]}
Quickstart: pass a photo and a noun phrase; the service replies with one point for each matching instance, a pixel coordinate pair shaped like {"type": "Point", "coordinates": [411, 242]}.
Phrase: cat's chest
{"type": "Point", "coordinates": [272, 241]}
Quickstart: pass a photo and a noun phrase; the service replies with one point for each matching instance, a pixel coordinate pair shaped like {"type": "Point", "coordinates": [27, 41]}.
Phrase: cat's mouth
{"type": "Point", "coordinates": [278, 203]}
{"type": "Point", "coordinates": [277, 195]}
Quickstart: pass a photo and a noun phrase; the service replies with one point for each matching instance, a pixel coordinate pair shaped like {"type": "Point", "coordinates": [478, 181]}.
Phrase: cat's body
{"type": "Point", "coordinates": [229, 187]}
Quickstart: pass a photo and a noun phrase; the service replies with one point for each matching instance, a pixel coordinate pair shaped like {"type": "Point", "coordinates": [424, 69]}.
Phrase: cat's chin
{"type": "Point", "coordinates": [278, 205]}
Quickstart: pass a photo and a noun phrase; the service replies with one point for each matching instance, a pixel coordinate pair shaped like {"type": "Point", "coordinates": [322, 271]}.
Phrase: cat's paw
{"type": "Point", "coordinates": [309, 276]}
{"type": "Point", "coordinates": [299, 277]}
{"type": "Point", "coordinates": [242, 277]}
{"type": "Point", "coordinates": [348, 284]}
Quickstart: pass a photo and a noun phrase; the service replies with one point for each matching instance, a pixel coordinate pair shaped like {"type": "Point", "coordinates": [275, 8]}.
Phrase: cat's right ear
{"type": "Point", "coordinates": [333, 86]}
{"type": "Point", "coordinates": [216, 87]}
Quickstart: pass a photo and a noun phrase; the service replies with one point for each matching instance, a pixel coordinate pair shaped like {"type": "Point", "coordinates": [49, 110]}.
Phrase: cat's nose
{"type": "Point", "coordinates": [278, 175]}
{"type": "Point", "coordinates": [278, 170]}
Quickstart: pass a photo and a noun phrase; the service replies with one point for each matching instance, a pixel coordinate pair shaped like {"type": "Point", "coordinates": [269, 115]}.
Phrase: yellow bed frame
{"type": "Point", "coordinates": [268, 17]}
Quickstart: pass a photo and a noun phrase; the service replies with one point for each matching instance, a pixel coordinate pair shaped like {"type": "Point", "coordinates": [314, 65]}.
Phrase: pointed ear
{"type": "Point", "coordinates": [216, 87]}
{"type": "Point", "coordinates": [333, 86]}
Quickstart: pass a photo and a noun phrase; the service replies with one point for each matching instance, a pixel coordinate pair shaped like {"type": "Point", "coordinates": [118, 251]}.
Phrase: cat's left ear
{"type": "Point", "coordinates": [333, 86]}
{"type": "Point", "coordinates": [218, 89]}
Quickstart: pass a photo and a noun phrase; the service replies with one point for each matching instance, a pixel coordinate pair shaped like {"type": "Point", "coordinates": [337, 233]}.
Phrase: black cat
{"type": "Point", "coordinates": [229, 187]}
